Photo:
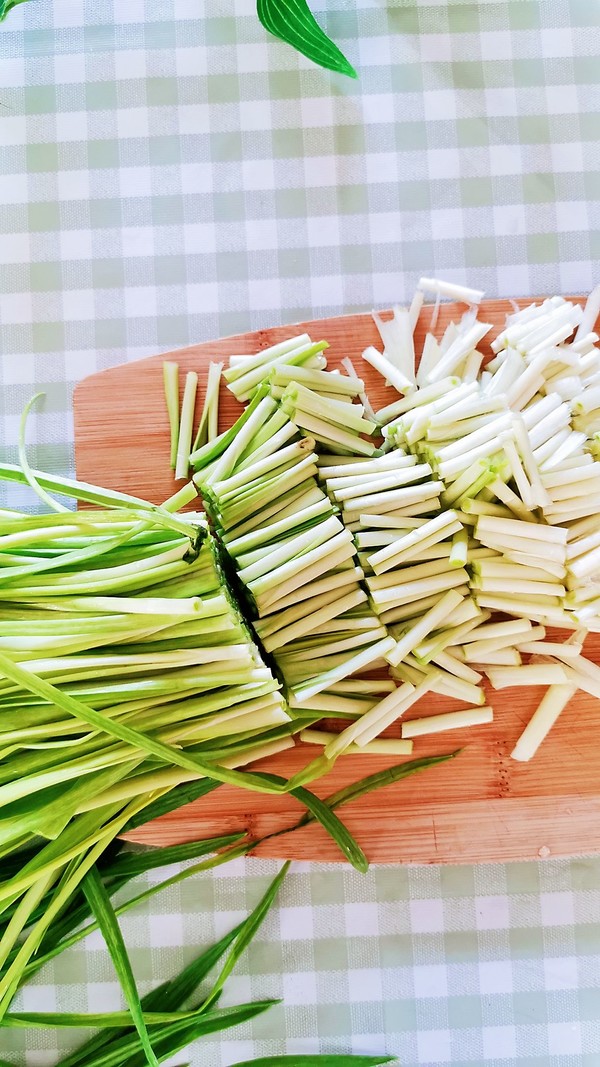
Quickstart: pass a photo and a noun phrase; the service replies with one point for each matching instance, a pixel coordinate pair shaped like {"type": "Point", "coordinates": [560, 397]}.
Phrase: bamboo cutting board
{"type": "Point", "coordinates": [480, 807]}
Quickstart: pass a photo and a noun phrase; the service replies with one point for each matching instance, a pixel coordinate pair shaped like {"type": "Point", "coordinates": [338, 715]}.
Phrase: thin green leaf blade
{"type": "Point", "coordinates": [169, 1039]}
{"type": "Point", "coordinates": [69, 883]}
{"type": "Point", "coordinates": [102, 908]}
{"type": "Point", "coordinates": [175, 798]}
{"type": "Point", "coordinates": [318, 1060]}
{"type": "Point", "coordinates": [45, 497]}
{"type": "Point", "coordinates": [131, 864]}
{"type": "Point", "coordinates": [388, 777]}
{"type": "Point", "coordinates": [334, 826]}
{"type": "Point", "coordinates": [204, 865]}
{"type": "Point", "coordinates": [101, 1020]}
{"type": "Point", "coordinates": [5, 7]}
{"type": "Point", "coordinates": [292, 21]}
{"type": "Point", "coordinates": [209, 1023]}
{"type": "Point", "coordinates": [321, 810]}
{"type": "Point", "coordinates": [248, 929]}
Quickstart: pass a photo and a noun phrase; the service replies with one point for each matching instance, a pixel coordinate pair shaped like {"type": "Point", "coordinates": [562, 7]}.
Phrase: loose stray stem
{"type": "Point", "coordinates": [171, 387]}
{"type": "Point", "coordinates": [30, 476]}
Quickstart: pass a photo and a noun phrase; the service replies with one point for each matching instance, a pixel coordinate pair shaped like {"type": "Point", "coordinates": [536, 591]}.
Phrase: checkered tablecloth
{"type": "Point", "coordinates": [167, 175]}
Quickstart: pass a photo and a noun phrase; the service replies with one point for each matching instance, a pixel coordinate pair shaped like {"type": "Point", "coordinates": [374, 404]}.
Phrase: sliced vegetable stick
{"type": "Point", "coordinates": [376, 721]}
{"type": "Point", "coordinates": [392, 705]}
{"type": "Point", "coordinates": [515, 528]}
{"type": "Point", "coordinates": [562, 650]}
{"type": "Point", "coordinates": [430, 621]}
{"type": "Point", "coordinates": [386, 746]}
{"type": "Point", "coordinates": [434, 531]}
{"type": "Point", "coordinates": [454, 666]}
{"type": "Point", "coordinates": [553, 702]}
{"type": "Point", "coordinates": [528, 674]}
{"type": "Point", "coordinates": [413, 608]}
{"type": "Point", "coordinates": [449, 720]}
{"type": "Point", "coordinates": [186, 425]}
{"type": "Point", "coordinates": [506, 657]}
{"type": "Point", "coordinates": [392, 374]}
{"type": "Point", "coordinates": [171, 387]}
{"type": "Point", "coordinates": [451, 290]}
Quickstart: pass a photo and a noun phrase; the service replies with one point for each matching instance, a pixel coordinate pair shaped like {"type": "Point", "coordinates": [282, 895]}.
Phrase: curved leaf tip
{"type": "Point", "coordinates": [292, 21]}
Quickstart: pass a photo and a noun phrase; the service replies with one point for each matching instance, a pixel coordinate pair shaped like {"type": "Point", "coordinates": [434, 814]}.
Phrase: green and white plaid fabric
{"type": "Point", "coordinates": [169, 175]}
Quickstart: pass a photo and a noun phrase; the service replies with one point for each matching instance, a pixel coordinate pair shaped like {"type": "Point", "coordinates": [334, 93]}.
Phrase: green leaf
{"type": "Point", "coordinates": [175, 798]}
{"type": "Point", "coordinates": [334, 827]}
{"type": "Point", "coordinates": [5, 7]}
{"type": "Point", "coordinates": [353, 792]}
{"type": "Point", "coordinates": [102, 908]}
{"type": "Point", "coordinates": [115, 874]}
{"type": "Point", "coordinates": [293, 22]}
{"type": "Point", "coordinates": [171, 1038]}
{"type": "Point", "coordinates": [207, 1023]}
{"type": "Point", "coordinates": [172, 994]}
{"type": "Point", "coordinates": [322, 812]}
{"type": "Point", "coordinates": [76, 912]}
{"type": "Point", "coordinates": [383, 778]}
{"type": "Point", "coordinates": [27, 471]}
{"type": "Point", "coordinates": [69, 883]}
{"type": "Point", "coordinates": [103, 1020]}
{"type": "Point", "coordinates": [131, 864]}
{"type": "Point", "coordinates": [81, 832]}
{"type": "Point", "coordinates": [318, 1060]}
{"type": "Point", "coordinates": [313, 770]}
{"type": "Point", "coordinates": [248, 930]}
{"type": "Point", "coordinates": [187, 872]}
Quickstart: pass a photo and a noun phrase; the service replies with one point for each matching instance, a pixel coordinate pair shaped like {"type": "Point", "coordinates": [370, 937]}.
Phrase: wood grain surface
{"type": "Point", "coordinates": [481, 806]}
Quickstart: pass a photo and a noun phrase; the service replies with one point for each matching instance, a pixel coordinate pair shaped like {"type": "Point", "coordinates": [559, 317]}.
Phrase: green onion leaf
{"type": "Point", "coordinates": [35, 485]}
{"type": "Point", "coordinates": [5, 7]}
{"type": "Point", "coordinates": [248, 930]}
{"type": "Point", "coordinates": [131, 864]}
{"type": "Point", "coordinates": [102, 908]}
{"type": "Point", "coordinates": [103, 1020]}
{"type": "Point", "coordinates": [318, 1060]}
{"type": "Point", "coordinates": [171, 1038]}
{"type": "Point", "coordinates": [175, 798]}
{"type": "Point", "coordinates": [321, 811]}
{"type": "Point", "coordinates": [79, 935]}
{"type": "Point", "coordinates": [383, 778]}
{"type": "Point", "coordinates": [293, 22]}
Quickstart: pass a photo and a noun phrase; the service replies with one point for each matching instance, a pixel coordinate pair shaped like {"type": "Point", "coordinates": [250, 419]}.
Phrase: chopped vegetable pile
{"type": "Point", "coordinates": [443, 535]}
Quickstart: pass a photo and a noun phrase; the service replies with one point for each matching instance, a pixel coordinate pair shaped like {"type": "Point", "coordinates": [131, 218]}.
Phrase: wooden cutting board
{"type": "Point", "coordinates": [480, 807]}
